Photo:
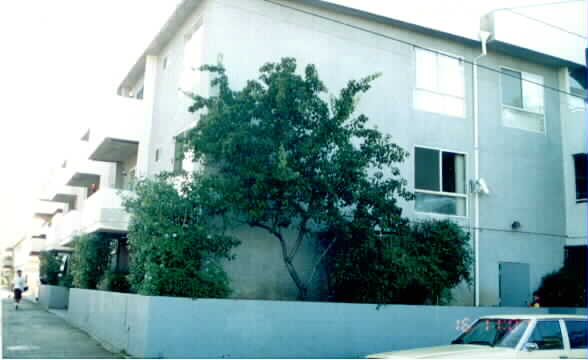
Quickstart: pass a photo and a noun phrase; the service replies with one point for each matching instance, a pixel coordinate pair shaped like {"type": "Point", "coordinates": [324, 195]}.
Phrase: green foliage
{"type": "Point", "coordinates": [416, 264]}
{"type": "Point", "coordinates": [565, 287]}
{"type": "Point", "coordinates": [89, 260]}
{"type": "Point", "coordinates": [176, 238]}
{"type": "Point", "coordinates": [284, 158]}
{"type": "Point", "coordinates": [49, 267]}
{"type": "Point", "coordinates": [113, 281]}
{"type": "Point", "coordinates": [66, 280]}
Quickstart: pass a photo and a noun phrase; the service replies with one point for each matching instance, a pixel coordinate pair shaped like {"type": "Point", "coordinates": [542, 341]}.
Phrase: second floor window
{"type": "Point", "coordinates": [439, 83]}
{"type": "Point", "coordinates": [522, 100]}
{"type": "Point", "coordinates": [577, 80]}
{"type": "Point", "coordinates": [581, 177]}
{"type": "Point", "coordinates": [440, 185]}
{"type": "Point", "coordinates": [190, 80]}
{"type": "Point", "coordinates": [183, 158]}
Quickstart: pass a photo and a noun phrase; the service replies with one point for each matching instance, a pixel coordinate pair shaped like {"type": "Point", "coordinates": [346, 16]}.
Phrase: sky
{"type": "Point", "coordinates": [61, 57]}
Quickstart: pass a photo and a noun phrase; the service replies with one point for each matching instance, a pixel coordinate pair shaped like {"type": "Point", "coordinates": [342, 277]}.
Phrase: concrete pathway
{"type": "Point", "coordinates": [32, 332]}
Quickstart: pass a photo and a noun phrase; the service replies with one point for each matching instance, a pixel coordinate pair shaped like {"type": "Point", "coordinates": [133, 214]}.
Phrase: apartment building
{"type": "Point", "coordinates": [23, 254]}
{"type": "Point", "coordinates": [92, 181]}
{"type": "Point", "coordinates": [499, 148]}
{"type": "Point", "coordinates": [7, 272]}
{"type": "Point", "coordinates": [497, 142]}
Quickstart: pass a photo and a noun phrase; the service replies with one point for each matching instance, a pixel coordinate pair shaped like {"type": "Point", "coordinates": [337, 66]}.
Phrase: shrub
{"type": "Point", "coordinates": [176, 240]}
{"type": "Point", "coordinates": [417, 264]}
{"type": "Point", "coordinates": [66, 280]}
{"type": "Point", "coordinates": [90, 260]}
{"type": "Point", "coordinates": [113, 281]}
{"type": "Point", "coordinates": [49, 268]}
{"type": "Point", "coordinates": [565, 287]}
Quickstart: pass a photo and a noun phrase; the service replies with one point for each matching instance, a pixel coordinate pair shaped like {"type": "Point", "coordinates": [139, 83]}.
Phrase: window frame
{"type": "Point", "coordinates": [575, 99]}
{"type": "Point", "coordinates": [585, 199]}
{"type": "Point", "coordinates": [567, 339]}
{"type": "Point", "coordinates": [464, 196]}
{"type": "Point", "coordinates": [198, 25]}
{"type": "Point", "coordinates": [176, 163]}
{"type": "Point", "coordinates": [521, 109]}
{"type": "Point", "coordinates": [416, 88]}
{"type": "Point", "coordinates": [562, 329]}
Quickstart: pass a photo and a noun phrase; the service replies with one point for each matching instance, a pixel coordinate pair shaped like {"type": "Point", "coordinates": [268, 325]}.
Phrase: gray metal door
{"type": "Point", "coordinates": [514, 284]}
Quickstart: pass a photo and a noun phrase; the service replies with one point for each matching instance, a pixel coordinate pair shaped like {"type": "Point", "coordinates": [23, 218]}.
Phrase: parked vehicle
{"type": "Point", "coordinates": [511, 336]}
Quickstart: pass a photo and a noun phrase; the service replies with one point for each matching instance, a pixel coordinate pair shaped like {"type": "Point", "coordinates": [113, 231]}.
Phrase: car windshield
{"type": "Point", "coordinates": [494, 332]}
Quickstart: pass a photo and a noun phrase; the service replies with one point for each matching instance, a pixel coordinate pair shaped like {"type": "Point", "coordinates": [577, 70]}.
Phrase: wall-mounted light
{"type": "Point", "coordinates": [515, 225]}
{"type": "Point", "coordinates": [479, 186]}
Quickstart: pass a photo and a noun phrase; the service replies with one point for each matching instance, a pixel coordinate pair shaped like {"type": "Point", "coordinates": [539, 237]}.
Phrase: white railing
{"type": "Point", "coordinates": [103, 211]}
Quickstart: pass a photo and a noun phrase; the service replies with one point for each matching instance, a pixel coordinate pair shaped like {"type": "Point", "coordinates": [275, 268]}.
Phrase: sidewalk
{"type": "Point", "coordinates": [32, 332]}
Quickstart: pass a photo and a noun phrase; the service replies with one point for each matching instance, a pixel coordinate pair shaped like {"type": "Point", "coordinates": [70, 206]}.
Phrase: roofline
{"type": "Point", "coordinates": [182, 12]}
{"type": "Point", "coordinates": [185, 9]}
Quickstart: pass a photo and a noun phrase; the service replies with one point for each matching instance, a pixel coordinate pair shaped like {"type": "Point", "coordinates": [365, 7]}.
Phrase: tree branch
{"type": "Point", "coordinates": [302, 231]}
{"type": "Point", "coordinates": [288, 261]}
{"type": "Point", "coordinates": [319, 261]}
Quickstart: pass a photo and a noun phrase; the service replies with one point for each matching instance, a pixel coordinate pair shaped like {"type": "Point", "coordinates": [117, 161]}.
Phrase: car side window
{"type": "Point", "coordinates": [547, 335]}
{"type": "Point", "coordinates": [577, 331]}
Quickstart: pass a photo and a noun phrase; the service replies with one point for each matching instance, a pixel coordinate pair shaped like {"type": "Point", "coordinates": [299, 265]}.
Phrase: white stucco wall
{"type": "Point", "coordinates": [249, 33]}
{"type": "Point", "coordinates": [574, 141]}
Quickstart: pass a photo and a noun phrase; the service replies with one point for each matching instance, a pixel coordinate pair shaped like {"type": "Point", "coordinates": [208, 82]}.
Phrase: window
{"type": "Point", "coordinates": [165, 63]}
{"type": "Point", "coordinates": [157, 155]}
{"type": "Point", "coordinates": [577, 81]}
{"type": "Point", "coordinates": [522, 100]}
{"type": "Point", "coordinates": [578, 333]}
{"type": "Point", "coordinates": [440, 182]}
{"type": "Point", "coordinates": [139, 95]}
{"type": "Point", "coordinates": [190, 79]}
{"type": "Point", "coordinates": [581, 175]}
{"type": "Point", "coordinates": [183, 159]}
{"type": "Point", "coordinates": [439, 84]}
{"type": "Point", "coordinates": [547, 335]}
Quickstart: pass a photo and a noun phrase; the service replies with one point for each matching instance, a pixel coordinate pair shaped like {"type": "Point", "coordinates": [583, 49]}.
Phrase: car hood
{"type": "Point", "coordinates": [446, 352]}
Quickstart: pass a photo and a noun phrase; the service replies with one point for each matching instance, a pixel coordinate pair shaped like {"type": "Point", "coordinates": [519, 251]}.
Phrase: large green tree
{"type": "Point", "coordinates": [285, 158]}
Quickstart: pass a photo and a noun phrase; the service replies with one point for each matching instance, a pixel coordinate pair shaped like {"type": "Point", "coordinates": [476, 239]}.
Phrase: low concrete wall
{"type": "Point", "coordinates": [118, 321]}
{"type": "Point", "coordinates": [54, 297]}
{"type": "Point", "coordinates": [155, 327]}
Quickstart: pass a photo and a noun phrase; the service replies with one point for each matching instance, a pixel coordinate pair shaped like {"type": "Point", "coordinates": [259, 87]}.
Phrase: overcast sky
{"type": "Point", "coordinates": [60, 57]}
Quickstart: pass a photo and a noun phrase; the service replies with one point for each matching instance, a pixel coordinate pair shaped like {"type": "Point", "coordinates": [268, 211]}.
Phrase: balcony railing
{"type": "Point", "coordinates": [83, 172]}
{"type": "Point", "coordinates": [103, 211]}
{"type": "Point", "coordinates": [64, 228]}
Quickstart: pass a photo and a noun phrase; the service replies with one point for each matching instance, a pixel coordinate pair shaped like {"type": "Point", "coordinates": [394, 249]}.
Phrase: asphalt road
{"type": "Point", "coordinates": [32, 332]}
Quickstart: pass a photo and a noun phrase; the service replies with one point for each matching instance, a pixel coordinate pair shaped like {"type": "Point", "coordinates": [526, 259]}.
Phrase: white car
{"type": "Point", "coordinates": [511, 336]}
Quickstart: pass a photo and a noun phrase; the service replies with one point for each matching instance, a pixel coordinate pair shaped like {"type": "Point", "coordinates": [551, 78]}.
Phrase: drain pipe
{"type": "Point", "coordinates": [483, 38]}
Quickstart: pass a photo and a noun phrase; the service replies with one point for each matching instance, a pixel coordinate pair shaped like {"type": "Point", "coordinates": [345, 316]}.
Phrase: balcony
{"type": "Point", "coordinates": [7, 262]}
{"type": "Point", "coordinates": [104, 212]}
{"type": "Point", "coordinates": [46, 209]}
{"type": "Point", "coordinates": [37, 244]}
{"type": "Point", "coordinates": [116, 139]}
{"type": "Point", "coordinates": [62, 231]}
{"type": "Point", "coordinates": [56, 190]}
{"type": "Point", "coordinates": [82, 172]}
